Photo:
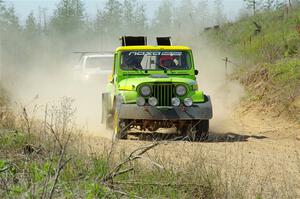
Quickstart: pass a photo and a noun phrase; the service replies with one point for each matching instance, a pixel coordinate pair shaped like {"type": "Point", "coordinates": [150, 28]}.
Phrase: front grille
{"type": "Point", "coordinates": [163, 93]}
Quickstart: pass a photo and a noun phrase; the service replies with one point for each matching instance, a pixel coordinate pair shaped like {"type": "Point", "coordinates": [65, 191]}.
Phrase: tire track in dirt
{"type": "Point", "coordinates": [253, 148]}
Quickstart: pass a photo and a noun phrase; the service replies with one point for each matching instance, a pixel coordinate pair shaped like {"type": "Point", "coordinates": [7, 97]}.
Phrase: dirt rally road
{"type": "Point", "coordinates": [252, 147]}
{"type": "Point", "coordinates": [253, 150]}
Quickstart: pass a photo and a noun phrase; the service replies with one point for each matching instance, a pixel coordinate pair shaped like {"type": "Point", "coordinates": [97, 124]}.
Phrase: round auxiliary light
{"type": "Point", "coordinates": [181, 90]}
{"type": "Point", "coordinates": [140, 101]}
{"type": "Point", "coordinates": [152, 101]}
{"type": "Point", "coordinates": [175, 101]}
{"type": "Point", "coordinates": [188, 102]}
{"type": "Point", "coordinates": [145, 90]}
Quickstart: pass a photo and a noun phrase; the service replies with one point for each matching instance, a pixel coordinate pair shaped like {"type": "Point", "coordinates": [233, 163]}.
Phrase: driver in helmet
{"type": "Point", "coordinates": [167, 61]}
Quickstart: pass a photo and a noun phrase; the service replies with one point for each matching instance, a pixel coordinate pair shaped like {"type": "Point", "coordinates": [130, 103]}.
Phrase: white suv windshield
{"type": "Point", "coordinates": [104, 63]}
{"type": "Point", "coordinates": [155, 60]}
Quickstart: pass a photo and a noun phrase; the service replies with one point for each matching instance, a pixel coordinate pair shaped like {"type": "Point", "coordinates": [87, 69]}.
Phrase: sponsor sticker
{"type": "Point", "coordinates": [155, 53]}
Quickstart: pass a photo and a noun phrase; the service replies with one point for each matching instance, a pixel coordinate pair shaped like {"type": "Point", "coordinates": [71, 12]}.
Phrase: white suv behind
{"type": "Point", "coordinates": [94, 66]}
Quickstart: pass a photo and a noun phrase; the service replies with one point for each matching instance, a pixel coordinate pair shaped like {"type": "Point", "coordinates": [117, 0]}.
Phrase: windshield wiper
{"type": "Point", "coordinates": [135, 68]}
{"type": "Point", "coordinates": [164, 67]}
{"type": "Point", "coordinates": [131, 67]}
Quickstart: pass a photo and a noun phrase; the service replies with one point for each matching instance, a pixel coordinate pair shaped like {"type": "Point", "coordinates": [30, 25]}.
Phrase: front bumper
{"type": "Point", "coordinates": [199, 111]}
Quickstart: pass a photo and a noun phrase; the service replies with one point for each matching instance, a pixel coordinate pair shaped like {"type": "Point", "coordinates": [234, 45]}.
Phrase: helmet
{"type": "Point", "coordinates": [165, 59]}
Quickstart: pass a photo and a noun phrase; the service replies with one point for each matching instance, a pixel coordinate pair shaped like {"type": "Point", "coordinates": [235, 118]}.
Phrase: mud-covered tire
{"type": "Point", "coordinates": [203, 131]}
{"type": "Point", "coordinates": [196, 132]}
{"type": "Point", "coordinates": [106, 114]}
{"type": "Point", "coordinates": [122, 135]}
{"type": "Point", "coordinates": [119, 132]}
{"type": "Point", "coordinates": [109, 122]}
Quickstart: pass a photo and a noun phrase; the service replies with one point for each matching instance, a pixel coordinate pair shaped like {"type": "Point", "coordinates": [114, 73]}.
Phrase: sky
{"type": "Point", "coordinates": [24, 7]}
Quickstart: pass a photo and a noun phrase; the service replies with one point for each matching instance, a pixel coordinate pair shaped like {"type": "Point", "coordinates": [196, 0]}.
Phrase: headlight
{"type": "Point", "coordinates": [140, 101]}
{"type": "Point", "coordinates": [152, 101]}
{"type": "Point", "coordinates": [175, 101]}
{"type": "Point", "coordinates": [180, 90]}
{"type": "Point", "coordinates": [188, 102]}
{"type": "Point", "coordinates": [145, 91]}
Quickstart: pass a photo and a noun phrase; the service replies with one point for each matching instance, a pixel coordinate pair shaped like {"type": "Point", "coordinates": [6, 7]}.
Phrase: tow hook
{"type": "Point", "coordinates": [148, 111]}
{"type": "Point", "coordinates": [183, 108]}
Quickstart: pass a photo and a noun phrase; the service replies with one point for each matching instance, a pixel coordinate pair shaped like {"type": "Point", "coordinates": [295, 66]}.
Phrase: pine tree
{"type": "Point", "coordinates": [202, 13]}
{"type": "Point", "coordinates": [269, 4]}
{"type": "Point", "coordinates": [140, 19]}
{"type": "Point", "coordinates": [68, 16]}
{"type": "Point", "coordinates": [219, 12]}
{"type": "Point", "coordinates": [279, 4]}
{"type": "Point", "coordinates": [10, 39]}
{"type": "Point", "coordinates": [185, 17]}
{"type": "Point", "coordinates": [31, 28]}
{"type": "Point", "coordinates": [128, 16]}
{"type": "Point", "coordinates": [8, 19]}
{"type": "Point", "coordinates": [109, 20]}
{"type": "Point", "coordinates": [163, 22]}
{"type": "Point", "coordinates": [253, 4]}
{"type": "Point", "coordinates": [2, 8]}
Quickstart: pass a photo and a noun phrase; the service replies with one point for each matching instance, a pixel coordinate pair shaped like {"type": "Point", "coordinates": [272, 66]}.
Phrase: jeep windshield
{"type": "Point", "coordinates": [155, 60]}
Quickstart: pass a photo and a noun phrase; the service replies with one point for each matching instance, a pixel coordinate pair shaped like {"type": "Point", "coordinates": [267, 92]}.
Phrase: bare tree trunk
{"type": "Point", "coordinates": [1, 73]}
{"type": "Point", "coordinates": [290, 4]}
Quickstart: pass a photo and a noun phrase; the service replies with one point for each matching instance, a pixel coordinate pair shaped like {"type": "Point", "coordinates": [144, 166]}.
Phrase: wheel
{"type": "Point", "coordinates": [119, 127]}
{"type": "Point", "coordinates": [109, 122]}
{"type": "Point", "coordinates": [196, 131]}
{"type": "Point", "coordinates": [107, 116]}
{"type": "Point", "coordinates": [203, 131]}
{"type": "Point", "coordinates": [103, 110]}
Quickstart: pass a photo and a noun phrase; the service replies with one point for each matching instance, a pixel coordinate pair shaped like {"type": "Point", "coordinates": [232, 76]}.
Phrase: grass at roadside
{"type": "Point", "coordinates": [45, 159]}
{"type": "Point", "coordinates": [268, 55]}
{"type": "Point", "coordinates": [29, 169]}
{"type": "Point", "coordinates": [276, 86]}
{"type": "Point", "coordinates": [50, 159]}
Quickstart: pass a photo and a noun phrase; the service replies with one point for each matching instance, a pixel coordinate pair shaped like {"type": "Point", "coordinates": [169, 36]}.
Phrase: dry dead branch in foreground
{"type": "Point", "coordinates": [136, 154]}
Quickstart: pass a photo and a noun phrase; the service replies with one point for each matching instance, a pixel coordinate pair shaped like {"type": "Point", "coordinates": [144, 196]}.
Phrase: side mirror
{"type": "Point", "coordinates": [196, 72]}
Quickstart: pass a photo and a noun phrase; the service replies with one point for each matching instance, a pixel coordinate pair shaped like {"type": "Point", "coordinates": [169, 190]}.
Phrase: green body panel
{"type": "Point", "coordinates": [129, 97]}
{"type": "Point", "coordinates": [197, 96]}
{"type": "Point", "coordinates": [131, 83]}
{"type": "Point", "coordinates": [128, 88]}
{"type": "Point", "coordinates": [126, 83]}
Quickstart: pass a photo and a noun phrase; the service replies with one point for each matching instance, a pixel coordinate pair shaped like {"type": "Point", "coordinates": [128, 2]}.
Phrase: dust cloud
{"type": "Point", "coordinates": [38, 62]}
{"type": "Point", "coordinates": [43, 86]}
{"type": "Point", "coordinates": [213, 79]}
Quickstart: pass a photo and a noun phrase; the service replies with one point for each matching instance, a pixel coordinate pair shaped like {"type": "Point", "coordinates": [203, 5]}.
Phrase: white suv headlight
{"type": "Point", "coordinates": [181, 90]}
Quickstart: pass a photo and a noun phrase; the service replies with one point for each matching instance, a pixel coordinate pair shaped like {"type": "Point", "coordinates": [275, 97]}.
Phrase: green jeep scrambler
{"type": "Point", "coordinates": [155, 87]}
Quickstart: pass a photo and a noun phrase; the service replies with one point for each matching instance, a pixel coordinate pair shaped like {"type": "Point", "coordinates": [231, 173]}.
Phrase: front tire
{"type": "Point", "coordinates": [196, 131]}
{"type": "Point", "coordinates": [110, 122]}
{"type": "Point", "coordinates": [203, 130]}
{"type": "Point", "coordinates": [119, 128]}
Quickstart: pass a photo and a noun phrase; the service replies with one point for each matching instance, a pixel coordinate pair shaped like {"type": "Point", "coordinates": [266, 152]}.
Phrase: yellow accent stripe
{"type": "Point", "coordinates": [126, 48]}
